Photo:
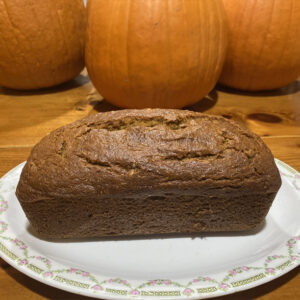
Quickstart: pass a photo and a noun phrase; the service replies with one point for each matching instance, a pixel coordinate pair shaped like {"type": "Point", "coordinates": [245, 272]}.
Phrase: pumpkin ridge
{"type": "Point", "coordinates": [127, 45]}
{"type": "Point", "coordinates": [160, 42]}
{"type": "Point", "coordinates": [261, 51]}
{"type": "Point", "coordinates": [31, 55]}
{"type": "Point", "coordinates": [208, 58]}
{"type": "Point", "coordinates": [168, 56]}
{"type": "Point", "coordinates": [9, 18]}
{"type": "Point", "coordinates": [63, 35]}
{"type": "Point", "coordinates": [285, 46]}
{"type": "Point", "coordinates": [198, 78]}
{"type": "Point", "coordinates": [51, 69]}
{"type": "Point", "coordinates": [247, 37]}
{"type": "Point", "coordinates": [263, 55]}
{"type": "Point", "coordinates": [220, 58]}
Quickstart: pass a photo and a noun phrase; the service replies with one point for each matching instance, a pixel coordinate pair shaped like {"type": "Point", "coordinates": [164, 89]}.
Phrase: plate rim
{"type": "Point", "coordinates": [104, 292]}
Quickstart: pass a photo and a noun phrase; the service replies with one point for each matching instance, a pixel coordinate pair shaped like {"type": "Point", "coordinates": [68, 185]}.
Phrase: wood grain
{"type": "Point", "coordinates": [28, 116]}
{"type": "Point", "coordinates": [25, 117]}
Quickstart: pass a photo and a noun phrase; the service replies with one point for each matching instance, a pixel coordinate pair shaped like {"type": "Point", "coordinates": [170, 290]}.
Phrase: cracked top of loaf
{"type": "Point", "coordinates": [134, 152]}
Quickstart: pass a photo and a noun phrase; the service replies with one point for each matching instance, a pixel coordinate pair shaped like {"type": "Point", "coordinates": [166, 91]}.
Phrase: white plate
{"type": "Point", "coordinates": [157, 268]}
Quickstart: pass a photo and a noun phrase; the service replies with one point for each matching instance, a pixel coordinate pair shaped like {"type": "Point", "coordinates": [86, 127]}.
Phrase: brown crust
{"type": "Point", "coordinates": [104, 167]}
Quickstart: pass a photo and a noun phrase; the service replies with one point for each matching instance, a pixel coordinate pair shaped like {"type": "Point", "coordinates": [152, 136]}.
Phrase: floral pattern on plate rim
{"type": "Point", "coordinates": [200, 286]}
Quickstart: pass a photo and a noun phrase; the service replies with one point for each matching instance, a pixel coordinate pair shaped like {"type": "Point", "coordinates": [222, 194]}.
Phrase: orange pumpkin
{"type": "Point", "coordinates": [153, 53]}
{"type": "Point", "coordinates": [264, 44]}
{"type": "Point", "coordinates": [41, 42]}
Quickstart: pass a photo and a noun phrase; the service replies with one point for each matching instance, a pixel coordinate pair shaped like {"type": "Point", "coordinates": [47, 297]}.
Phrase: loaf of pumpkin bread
{"type": "Point", "coordinates": [152, 171]}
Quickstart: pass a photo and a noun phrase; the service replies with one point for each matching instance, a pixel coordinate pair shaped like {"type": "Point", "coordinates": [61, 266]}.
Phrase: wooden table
{"type": "Point", "coordinates": [25, 117]}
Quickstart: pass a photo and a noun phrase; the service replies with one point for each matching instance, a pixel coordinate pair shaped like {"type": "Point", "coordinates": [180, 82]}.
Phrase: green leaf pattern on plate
{"type": "Point", "coordinates": [199, 285]}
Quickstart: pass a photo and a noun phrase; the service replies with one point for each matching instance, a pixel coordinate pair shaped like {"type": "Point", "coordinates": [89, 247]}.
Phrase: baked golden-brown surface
{"type": "Point", "coordinates": [147, 172]}
{"type": "Point", "coordinates": [27, 117]}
